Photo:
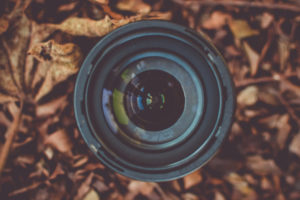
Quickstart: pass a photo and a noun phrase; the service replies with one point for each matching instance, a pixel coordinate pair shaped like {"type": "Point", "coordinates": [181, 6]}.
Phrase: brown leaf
{"type": "Point", "coordinates": [241, 185]}
{"type": "Point", "coordinates": [84, 187]}
{"type": "Point", "coordinates": [65, 60]}
{"type": "Point", "coordinates": [219, 196]}
{"type": "Point", "coordinates": [262, 166]}
{"type": "Point", "coordinates": [3, 25]}
{"type": "Point", "coordinates": [283, 50]}
{"type": "Point", "coordinates": [216, 20]}
{"type": "Point", "coordinates": [241, 29]}
{"type": "Point", "coordinates": [284, 129]}
{"type": "Point", "coordinates": [253, 58]}
{"type": "Point", "coordinates": [136, 6]}
{"type": "Point", "coordinates": [192, 179]}
{"type": "Point", "coordinates": [100, 1]}
{"type": "Point", "coordinates": [248, 96]}
{"type": "Point", "coordinates": [98, 28]}
{"type": "Point", "coordinates": [60, 141]}
{"type": "Point", "coordinates": [189, 196]}
{"type": "Point", "coordinates": [266, 20]}
{"type": "Point", "coordinates": [51, 107]}
{"type": "Point", "coordinates": [91, 195]}
{"type": "Point", "coordinates": [144, 188]}
{"type": "Point", "coordinates": [295, 145]}
{"type": "Point", "coordinates": [4, 98]}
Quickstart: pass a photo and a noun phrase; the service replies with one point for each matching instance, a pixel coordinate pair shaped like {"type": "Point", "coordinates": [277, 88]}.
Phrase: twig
{"type": "Point", "coordinates": [11, 132]}
{"type": "Point", "coordinates": [289, 109]}
{"type": "Point", "coordinates": [251, 81]}
{"type": "Point", "coordinates": [250, 4]}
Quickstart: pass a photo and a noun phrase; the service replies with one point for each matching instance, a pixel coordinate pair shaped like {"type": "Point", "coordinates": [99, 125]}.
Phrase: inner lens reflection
{"type": "Point", "coordinates": [154, 100]}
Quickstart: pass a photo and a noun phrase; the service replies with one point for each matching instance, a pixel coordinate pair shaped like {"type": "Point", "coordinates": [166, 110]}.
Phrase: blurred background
{"type": "Point", "coordinates": [42, 44]}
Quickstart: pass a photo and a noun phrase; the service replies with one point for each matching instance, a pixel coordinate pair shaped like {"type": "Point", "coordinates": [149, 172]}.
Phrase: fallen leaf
{"type": "Point", "coordinates": [60, 141]}
{"type": "Point", "coordinates": [219, 196]}
{"type": "Point", "coordinates": [253, 58]}
{"type": "Point", "coordinates": [100, 1]}
{"type": "Point", "coordinates": [241, 29]}
{"type": "Point", "coordinates": [192, 179]}
{"type": "Point", "coordinates": [262, 166]}
{"type": "Point", "coordinates": [189, 196]}
{"type": "Point", "coordinates": [265, 184]}
{"type": "Point", "coordinates": [84, 187]}
{"type": "Point", "coordinates": [144, 188]}
{"type": "Point", "coordinates": [241, 185]}
{"type": "Point", "coordinates": [135, 6]}
{"type": "Point", "coordinates": [52, 107]}
{"type": "Point", "coordinates": [65, 60]}
{"type": "Point", "coordinates": [283, 50]}
{"type": "Point", "coordinates": [3, 25]}
{"type": "Point", "coordinates": [98, 28]}
{"type": "Point", "coordinates": [295, 145]}
{"type": "Point", "coordinates": [248, 96]}
{"type": "Point", "coordinates": [284, 129]}
{"type": "Point", "coordinates": [266, 20]}
{"type": "Point", "coordinates": [92, 195]}
{"type": "Point", "coordinates": [216, 20]}
{"type": "Point", "coordinates": [58, 171]}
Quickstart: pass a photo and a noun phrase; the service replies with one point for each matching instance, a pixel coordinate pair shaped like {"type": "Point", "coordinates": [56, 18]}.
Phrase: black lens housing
{"type": "Point", "coordinates": [121, 124]}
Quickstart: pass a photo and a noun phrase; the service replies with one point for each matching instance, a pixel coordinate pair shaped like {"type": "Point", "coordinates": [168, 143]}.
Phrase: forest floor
{"type": "Point", "coordinates": [42, 45]}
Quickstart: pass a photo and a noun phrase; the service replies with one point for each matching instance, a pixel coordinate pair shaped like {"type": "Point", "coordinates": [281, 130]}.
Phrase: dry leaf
{"type": "Point", "coordinates": [144, 188]}
{"type": "Point", "coordinates": [91, 195]}
{"type": "Point", "coordinates": [284, 129]}
{"type": "Point", "coordinates": [266, 20]}
{"type": "Point", "coordinates": [84, 187]}
{"type": "Point", "coordinates": [192, 179]}
{"type": "Point", "coordinates": [248, 96]}
{"type": "Point", "coordinates": [295, 145]}
{"type": "Point", "coordinates": [241, 29]}
{"type": "Point", "coordinates": [241, 185]}
{"type": "Point", "coordinates": [253, 58]}
{"type": "Point", "coordinates": [98, 28]}
{"type": "Point", "coordinates": [219, 196]}
{"type": "Point", "coordinates": [51, 107]}
{"type": "Point", "coordinates": [283, 50]}
{"type": "Point", "coordinates": [100, 1]}
{"type": "Point", "coordinates": [262, 166]}
{"type": "Point", "coordinates": [216, 20]}
{"type": "Point", "coordinates": [136, 6]}
{"type": "Point", "coordinates": [189, 196]}
{"type": "Point", "coordinates": [65, 61]}
{"type": "Point", "coordinates": [3, 25]}
{"type": "Point", "coordinates": [60, 141]}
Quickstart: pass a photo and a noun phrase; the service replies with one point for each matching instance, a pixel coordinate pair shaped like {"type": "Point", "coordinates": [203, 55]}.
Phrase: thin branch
{"type": "Point", "coordinates": [250, 4]}
{"type": "Point", "coordinates": [11, 132]}
{"type": "Point", "coordinates": [289, 109]}
{"type": "Point", "coordinates": [274, 78]}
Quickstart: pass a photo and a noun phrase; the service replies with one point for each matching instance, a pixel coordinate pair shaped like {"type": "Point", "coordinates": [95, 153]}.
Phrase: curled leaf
{"type": "Point", "coordinates": [60, 141]}
{"type": "Point", "coordinates": [253, 58]}
{"type": "Point", "coordinates": [295, 145]}
{"type": "Point", "coordinates": [3, 25]}
{"type": "Point", "coordinates": [64, 59]}
{"type": "Point", "coordinates": [98, 28]}
{"type": "Point", "coordinates": [216, 20]}
{"type": "Point", "coordinates": [248, 96]}
{"type": "Point", "coordinates": [241, 29]}
{"type": "Point", "coordinates": [262, 166]}
{"type": "Point", "coordinates": [136, 6]}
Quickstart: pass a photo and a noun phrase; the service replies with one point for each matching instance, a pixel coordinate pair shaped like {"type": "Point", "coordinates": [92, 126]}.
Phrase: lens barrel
{"type": "Point", "coordinates": [154, 100]}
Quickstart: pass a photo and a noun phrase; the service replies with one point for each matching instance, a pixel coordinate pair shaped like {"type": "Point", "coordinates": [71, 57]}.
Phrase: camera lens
{"type": "Point", "coordinates": [154, 100]}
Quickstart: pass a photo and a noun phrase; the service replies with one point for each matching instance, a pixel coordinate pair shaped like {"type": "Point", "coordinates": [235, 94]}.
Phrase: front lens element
{"type": "Point", "coordinates": [154, 100]}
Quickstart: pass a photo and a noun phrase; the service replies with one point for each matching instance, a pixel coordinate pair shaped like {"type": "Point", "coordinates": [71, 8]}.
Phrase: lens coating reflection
{"type": "Point", "coordinates": [154, 100]}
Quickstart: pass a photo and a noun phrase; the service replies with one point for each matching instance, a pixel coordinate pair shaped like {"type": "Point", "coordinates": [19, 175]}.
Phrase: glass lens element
{"type": "Point", "coordinates": [154, 100]}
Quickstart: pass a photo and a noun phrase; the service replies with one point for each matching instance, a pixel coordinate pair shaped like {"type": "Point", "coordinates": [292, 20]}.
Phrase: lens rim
{"type": "Point", "coordinates": [212, 143]}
